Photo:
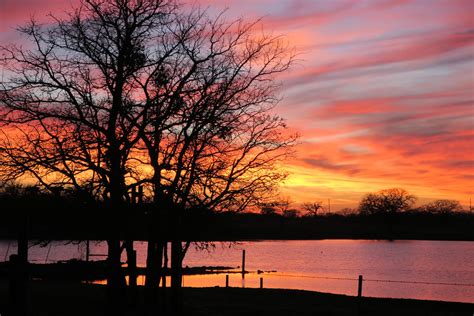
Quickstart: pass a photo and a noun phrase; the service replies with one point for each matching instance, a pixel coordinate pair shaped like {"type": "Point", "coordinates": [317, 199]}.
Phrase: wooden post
{"type": "Point", "coordinates": [359, 294]}
{"type": "Point", "coordinates": [261, 283]}
{"type": "Point", "coordinates": [227, 280]}
{"type": "Point", "coordinates": [47, 254]}
{"type": "Point", "coordinates": [6, 253]}
{"type": "Point", "coordinates": [243, 264]}
{"type": "Point", "coordinates": [88, 251]}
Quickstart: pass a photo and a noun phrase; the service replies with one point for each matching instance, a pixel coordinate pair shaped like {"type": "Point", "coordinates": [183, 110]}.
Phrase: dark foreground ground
{"type": "Point", "coordinates": [80, 299]}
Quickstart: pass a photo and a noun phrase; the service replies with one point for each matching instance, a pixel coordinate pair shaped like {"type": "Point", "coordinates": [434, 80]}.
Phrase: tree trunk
{"type": "Point", "coordinates": [132, 272]}
{"type": "Point", "coordinates": [152, 280]}
{"type": "Point", "coordinates": [116, 284]}
{"type": "Point", "coordinates": [176, 276]}
{"type": "Point", "coordinates": [115, 278]}
{"type": "Point", "coordinates": [131, 264]}
{"type": "Point", "coordinates": [153, 275]}
{"type": "Point", "coordinates": [164, 270]}
{"type": "Point", "coordinates": [154, 261]}
{"type": "Point", "coordinates": [176, 268]}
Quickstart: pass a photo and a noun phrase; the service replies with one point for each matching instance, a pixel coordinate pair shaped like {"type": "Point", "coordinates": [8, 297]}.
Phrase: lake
{"type": "Point", "coordinates": [319, 265]}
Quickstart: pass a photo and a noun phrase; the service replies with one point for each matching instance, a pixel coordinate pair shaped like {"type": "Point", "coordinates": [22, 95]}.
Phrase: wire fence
{"type": "Point", "coordinates": [369, 280]}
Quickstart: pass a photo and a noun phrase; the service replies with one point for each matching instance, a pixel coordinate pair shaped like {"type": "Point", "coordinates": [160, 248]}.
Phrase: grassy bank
{"type": "Point", "coordinates": [81, 299]}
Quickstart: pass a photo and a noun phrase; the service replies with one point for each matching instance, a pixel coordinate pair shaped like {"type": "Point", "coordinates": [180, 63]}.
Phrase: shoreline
{"type": "Point", "coordinates": [54, 298]}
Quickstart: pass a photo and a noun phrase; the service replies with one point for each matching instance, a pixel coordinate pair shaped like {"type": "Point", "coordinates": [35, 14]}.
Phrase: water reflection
{"type": "Point", "coordinates": [300, 264]}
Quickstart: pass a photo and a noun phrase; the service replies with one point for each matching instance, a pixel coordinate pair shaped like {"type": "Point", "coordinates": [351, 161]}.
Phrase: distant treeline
{"type": "Point", "coordinates": [49, 216]}
{"type": "Point", "coordinates": [408, 225]}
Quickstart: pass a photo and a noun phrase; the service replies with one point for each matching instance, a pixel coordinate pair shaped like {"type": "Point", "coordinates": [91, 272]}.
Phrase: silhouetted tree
{"type": "Point", "coordinates": [267, 209]}
{"type": "Point", "coordinates": [291, 213]}
{"type": "Point", "coordinates": [209, 137]}
{"type": "Point", "coordinates": [283, 205]}
{"type": "Point", "coordinates": [312, 208]}
{"type": "Point", "coordinates": [388, 201]}
{"type": "Point", "coordinates": [274, 207]}
{"type": "Point", "coordinates": [66, 104]}
{"type": "Point", "coordinates": [443, 207]}
{"type": "Point", "coordinates": [371, 204]}
{"type": "Point", "coordinates": [347, 211]}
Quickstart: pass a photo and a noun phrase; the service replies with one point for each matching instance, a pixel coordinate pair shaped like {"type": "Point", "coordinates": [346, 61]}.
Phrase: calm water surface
{"type": "Point", "coordinates": [311, 265]}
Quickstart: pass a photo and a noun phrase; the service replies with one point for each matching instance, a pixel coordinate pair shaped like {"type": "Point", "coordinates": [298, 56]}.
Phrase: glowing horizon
{"type": "Point", "coordinates": [382, 94]}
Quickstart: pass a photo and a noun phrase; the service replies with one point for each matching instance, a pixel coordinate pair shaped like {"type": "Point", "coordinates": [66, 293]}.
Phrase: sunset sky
{"type": "Point", "coordinates": [382, 93]}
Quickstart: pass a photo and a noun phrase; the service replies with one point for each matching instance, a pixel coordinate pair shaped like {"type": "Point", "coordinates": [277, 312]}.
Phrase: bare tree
{"type": "Point", "coordinates": [371, 204]}
{"type": "Point", "coordinates": [267, 208]}
{"type": "Point", "coordinates": [210, 137]}
{"type": "Point", "coordinates": [389, 201]}
{"type": "Point", "coordinates": [312, 208]}
{"type": "Point", "coordinates": [67, 104]}
{"type": "Point", "coordinates": [443, 207]}
{"type": "Point", "coordinates": [291, 213]}
{"type": "Point", "coordinates": [270, 206]}
{"type": "Point", "coordinates": [348, 211]}
{"type": "Point", "coordinates": [283, 205]}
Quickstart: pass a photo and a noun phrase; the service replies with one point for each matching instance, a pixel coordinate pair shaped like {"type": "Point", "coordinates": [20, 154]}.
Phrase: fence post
{"type": "Point", "coordinates": [243, 264]}
{"type": "Point", "coordinates": [359, 290]}
{"type": "Point", "coordinates": [87, 250]}
{"type": "Point", "coordinates": [261, 283]}
{"type": "Point", "coordinates": [227, 280]}
{"type": "Point", "coordinates": [359, 294]}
